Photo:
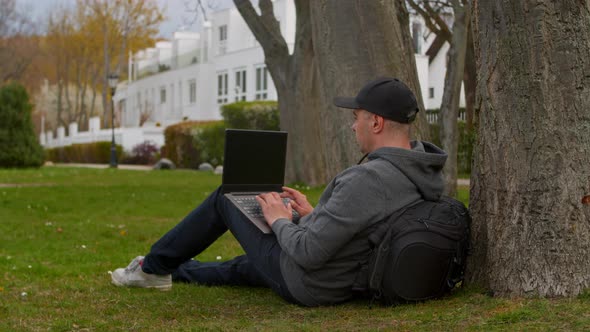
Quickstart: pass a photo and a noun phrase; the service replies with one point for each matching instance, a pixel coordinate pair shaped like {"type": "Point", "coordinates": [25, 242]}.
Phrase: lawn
{"type": "Point", "coordinates": [63, 229]}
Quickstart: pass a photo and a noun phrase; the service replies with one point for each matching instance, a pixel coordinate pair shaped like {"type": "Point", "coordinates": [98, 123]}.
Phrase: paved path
{"type": "Point", "coordinates": [121, 166]}
{"type": "Point", "coordinates": [463, 182]}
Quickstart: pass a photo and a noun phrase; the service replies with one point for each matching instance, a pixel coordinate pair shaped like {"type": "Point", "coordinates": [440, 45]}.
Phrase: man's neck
{"type": "Point", "coordinates": [402, 143]}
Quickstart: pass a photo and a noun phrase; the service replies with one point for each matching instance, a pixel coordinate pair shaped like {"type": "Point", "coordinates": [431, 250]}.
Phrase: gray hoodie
{"type": "Point", "coordinates": [324, 251]}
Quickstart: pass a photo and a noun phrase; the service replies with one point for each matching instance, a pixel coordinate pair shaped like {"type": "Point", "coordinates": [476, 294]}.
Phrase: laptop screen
{"type": "Point", "coordinates": [254, 160]}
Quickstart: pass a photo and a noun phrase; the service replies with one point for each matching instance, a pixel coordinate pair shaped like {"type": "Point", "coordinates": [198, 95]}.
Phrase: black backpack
{"type": "Point", "coordinates": [422, 255]}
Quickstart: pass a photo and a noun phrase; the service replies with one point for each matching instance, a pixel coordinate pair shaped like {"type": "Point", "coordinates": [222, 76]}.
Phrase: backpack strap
{"type": "Point", "coordinates": [372, 271]}
{"type": "Point", "coordinates": [376, 267]}
{"type": "Point", "coordinates": [367, 271]}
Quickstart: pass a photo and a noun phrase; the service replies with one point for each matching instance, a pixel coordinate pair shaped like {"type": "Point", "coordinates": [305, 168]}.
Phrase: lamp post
{"type": "Point", "coordinates": [113, 78]}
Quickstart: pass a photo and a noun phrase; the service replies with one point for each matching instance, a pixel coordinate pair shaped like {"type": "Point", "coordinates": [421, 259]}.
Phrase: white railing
{"type": "Point", "coordinates": [126, 137]}
{"type": "Point", "coordinates": [432, 116]}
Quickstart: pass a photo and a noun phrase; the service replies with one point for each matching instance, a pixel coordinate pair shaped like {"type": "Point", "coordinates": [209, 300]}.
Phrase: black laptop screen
{"type": "Point", "coordinates": [254, 160]}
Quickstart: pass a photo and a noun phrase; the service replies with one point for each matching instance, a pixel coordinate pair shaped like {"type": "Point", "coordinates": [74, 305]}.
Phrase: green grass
{"type": "Point", "coordinates": [63, 229]}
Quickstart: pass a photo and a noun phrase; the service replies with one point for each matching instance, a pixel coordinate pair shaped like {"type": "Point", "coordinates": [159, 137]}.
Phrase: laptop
{"type": "Point", "coordinates": [254, 162]}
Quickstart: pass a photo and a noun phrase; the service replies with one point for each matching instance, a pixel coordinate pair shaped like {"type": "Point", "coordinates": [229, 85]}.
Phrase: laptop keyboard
{"type": "Point", "coordinates": [250, 205]}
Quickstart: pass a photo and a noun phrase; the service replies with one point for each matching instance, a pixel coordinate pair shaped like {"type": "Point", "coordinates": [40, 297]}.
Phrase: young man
{"type": "Point", "coordinates": [315, 261]}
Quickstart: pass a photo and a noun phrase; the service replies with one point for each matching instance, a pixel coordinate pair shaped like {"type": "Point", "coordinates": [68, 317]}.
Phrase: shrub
{"type": "Point", "coordinates": [145, 153]}
{"type": "Point", "coordinates": [89, 153]}
{"type": "Point", "coordinates": [19, 146]}
{"type": "Point", "coordinates": [190, 143]}
{"type": "Point", "coordinates": [262, 115]}
{"type": "Point", "coordinates": [181, 146]}
{"type": "Point", "coordinates": [209, 141]}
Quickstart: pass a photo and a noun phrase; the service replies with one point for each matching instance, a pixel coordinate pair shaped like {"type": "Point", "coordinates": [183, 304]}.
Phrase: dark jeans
{"type": "Point", "coordinates": [259, 267]}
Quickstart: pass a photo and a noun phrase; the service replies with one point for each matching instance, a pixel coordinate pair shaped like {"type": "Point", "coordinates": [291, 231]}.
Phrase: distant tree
{"type": "Point", "coordinates": [17, 48]}
{"type": "Point", "coordinates": [19, 146]}
{"type": "Point", "coordinates": [433, 12]}
{"type": "Point", "coordinates": [87, 42]}
{"type": "Point", "coordinates": [530, 191]}
{"type": "Point", "coordinates": [124, 25]}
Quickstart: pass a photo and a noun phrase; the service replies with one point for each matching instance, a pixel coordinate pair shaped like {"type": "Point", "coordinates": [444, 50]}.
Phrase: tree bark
{"type": "Point", "coordinates": [339, 45]}
{"type": "Point", "coordinates": [470, 82]}
{"type": "Point", "coordinates": [295, 78]}
{"type": "Point", "coordinates": [355, 42]}
{"type": "Point", "coordinates": [105, 77]}
{"type": "Point", "coordinates": [531, 222]}
{"type": "Point", "coordinates": [449, 109]}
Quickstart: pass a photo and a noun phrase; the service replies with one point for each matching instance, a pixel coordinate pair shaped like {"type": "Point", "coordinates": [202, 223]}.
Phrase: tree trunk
{"type": "Point", "coordinates": [355, 42]}
{"type": "Point", "coordinates": [295, 78]}
{"type": "Point", "coordinates": [530, 186]}
{"type": "Point", "coordinates": [105, 80]}
{"type": "Point", "coordinates": [470, 81]}
{"type": "Point", "coordinates": [449, 109]}
{"type": "Point", "coordinates": [329, 34]}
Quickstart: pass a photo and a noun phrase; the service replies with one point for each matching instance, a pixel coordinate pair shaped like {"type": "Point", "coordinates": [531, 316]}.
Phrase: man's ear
{"type": "Point", "coordinates": [378, 123]}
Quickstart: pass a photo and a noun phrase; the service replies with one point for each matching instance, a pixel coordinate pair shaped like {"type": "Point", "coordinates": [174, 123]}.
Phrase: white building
{"type": "Point", "coordinates": [192, 75]}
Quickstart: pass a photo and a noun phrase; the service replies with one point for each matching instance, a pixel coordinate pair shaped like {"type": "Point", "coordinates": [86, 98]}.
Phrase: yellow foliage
{"type": "Point", "coordinates": [85, 43]}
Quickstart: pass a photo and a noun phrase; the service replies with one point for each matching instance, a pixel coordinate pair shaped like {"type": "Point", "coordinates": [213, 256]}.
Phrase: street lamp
{"type": "Point", "coordinates": [113, 78]}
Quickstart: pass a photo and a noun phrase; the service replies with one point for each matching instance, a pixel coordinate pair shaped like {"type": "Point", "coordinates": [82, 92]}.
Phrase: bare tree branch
{"type": "Point", "coordinates": [266, 29]}
{"type": "Point", "coordinates": [428, 20]}
{"type": "Point", "coordinates": [442, 25]}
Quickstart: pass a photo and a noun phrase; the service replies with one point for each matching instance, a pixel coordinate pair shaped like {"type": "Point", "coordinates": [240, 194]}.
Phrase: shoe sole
{"type": "Point", "coordinates": [159, 287]}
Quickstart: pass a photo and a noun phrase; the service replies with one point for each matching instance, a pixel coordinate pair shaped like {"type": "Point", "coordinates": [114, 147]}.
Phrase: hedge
{"type": "Point", "coordinates": [180, 143]}
{"type": "Point", "coordinates": [90, 153]}
{"type": "Point", "coordinates": [262, 115]}
{"type": "Point", "coordinates": [190, 143]}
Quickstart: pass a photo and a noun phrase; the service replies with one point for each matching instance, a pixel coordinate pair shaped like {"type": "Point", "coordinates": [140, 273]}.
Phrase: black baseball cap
{"type": "Point", "coordinates": [386, 96]}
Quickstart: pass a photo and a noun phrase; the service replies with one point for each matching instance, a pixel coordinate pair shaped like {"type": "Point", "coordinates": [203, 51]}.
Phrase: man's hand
{"type": "Point", "coordinates": [273, 207]}
{"type": "Point", "coordinates": [298, 201]}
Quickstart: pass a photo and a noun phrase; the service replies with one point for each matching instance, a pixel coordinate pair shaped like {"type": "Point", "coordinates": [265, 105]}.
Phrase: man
{"type": "Point", "coordinates": [315, 261]}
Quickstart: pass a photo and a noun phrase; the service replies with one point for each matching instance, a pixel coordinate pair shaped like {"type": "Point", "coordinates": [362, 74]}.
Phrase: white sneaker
{"type": "Point", "coordinates": [133, 276]}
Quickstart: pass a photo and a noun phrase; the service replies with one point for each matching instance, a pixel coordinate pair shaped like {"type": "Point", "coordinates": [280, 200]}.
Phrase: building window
{"type": "Point", "coordinates": [192, 91]}
{"type": "Point", "coordinates": [240, 87]}
{"type": "Point", "coordinates": [417, 37]}
{"type": "Point", "coordinates": [222, 39]}
{"type": "Point", "coordinates": [222, 88]}
{"type": "Point", "coordinates": [162, 95]}
{"type": "Point", "coordinates": [430, 93]}
{"type": "Point", "coordinates": [261, 83]}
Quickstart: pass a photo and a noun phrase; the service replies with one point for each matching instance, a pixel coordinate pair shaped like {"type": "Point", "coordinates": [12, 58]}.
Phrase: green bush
{"type": "Point", "coordinates": [465, 148]}
{"type": "Point", "coordinates": [209, 141]}
{"type": "Point", "coordinates": [262, 115]}
{"type": "Point", "coordinates": [19, 146]}
{"type": "Point", "coordinates": [182, 147]}
{"type": "Point", "coordinates": [88, 153]}
{"type": "Point", "coordinates": [190, 143]}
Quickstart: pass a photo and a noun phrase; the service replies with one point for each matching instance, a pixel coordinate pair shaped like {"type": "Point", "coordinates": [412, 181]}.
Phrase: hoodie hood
{"type": "Point", "coordinates": [422, 165]}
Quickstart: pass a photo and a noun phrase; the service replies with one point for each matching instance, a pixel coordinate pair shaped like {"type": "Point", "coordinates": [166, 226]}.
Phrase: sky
{"type": "Point", "coordinates": [175, 12]}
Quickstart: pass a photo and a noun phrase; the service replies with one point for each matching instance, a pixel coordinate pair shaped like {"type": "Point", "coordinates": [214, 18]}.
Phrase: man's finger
{"type": "Point", "coordinates": [261, 200]}
{"type": "Point", "coordinates": [290, 190]}
{"type": "Point", "coordinates": [285, 194]}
